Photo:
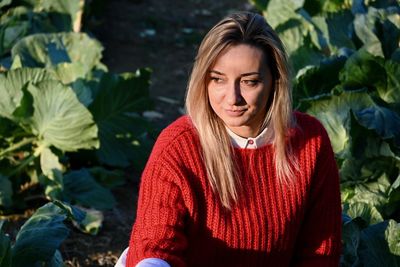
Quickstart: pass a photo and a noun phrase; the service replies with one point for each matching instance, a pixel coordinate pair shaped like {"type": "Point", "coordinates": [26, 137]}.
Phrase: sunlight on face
{"type": "Point", "coordinates": [238, 87]}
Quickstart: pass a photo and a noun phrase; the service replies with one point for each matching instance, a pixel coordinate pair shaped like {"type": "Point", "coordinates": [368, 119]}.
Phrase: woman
{"type": "Point", "coordinates": [242, 180]}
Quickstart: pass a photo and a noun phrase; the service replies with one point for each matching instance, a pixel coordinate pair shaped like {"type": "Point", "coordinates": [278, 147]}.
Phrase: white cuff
{"type": "Point", "coordinates": [148, 262]}
{"type": "Point", "coordinates": [153, 262]}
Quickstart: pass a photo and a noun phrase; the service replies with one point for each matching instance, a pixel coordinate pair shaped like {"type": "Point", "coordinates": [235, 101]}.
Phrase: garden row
{"type": "Point", "coordinates": [68, 128]}
{"type": "Point", "coordinates": [346, 61]}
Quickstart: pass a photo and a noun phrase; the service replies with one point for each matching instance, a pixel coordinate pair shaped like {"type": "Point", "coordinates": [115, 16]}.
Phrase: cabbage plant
{"type": "Point", "coordinates": [345, 57]}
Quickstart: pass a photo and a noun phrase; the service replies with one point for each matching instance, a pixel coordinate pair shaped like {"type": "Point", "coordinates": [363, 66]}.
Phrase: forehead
{"type": "Point", "coordinates": [241, 57]}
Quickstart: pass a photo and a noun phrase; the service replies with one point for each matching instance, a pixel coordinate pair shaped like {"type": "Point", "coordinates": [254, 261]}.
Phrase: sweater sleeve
{"type": "Point", "coordinates": [319, 239]}
{"type": "Point", "coordinates": [158, 231]}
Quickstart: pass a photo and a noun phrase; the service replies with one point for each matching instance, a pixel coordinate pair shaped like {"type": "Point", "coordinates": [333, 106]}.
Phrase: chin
{"type": "Point", "coordinates": [236, 122]}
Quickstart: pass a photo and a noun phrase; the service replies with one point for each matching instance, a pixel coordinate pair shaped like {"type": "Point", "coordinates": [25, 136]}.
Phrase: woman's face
{"type": "Point", "coordinates": [239, 84]}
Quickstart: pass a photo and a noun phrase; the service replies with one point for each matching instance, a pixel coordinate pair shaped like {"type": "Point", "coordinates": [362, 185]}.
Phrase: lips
{"type": "Point", "coordinates": [235, 112]}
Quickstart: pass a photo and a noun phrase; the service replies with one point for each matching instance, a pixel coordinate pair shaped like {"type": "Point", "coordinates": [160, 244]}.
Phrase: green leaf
{"type": "Point", "coordinates": [12, 27]}
{"type": "Point", "coordinates": [52, 169]}
{"type": "Point", "coordinates": [92, 222]}
{"type": "Point", "coordinates": [390, 37]}
{"type": "Point", "coordinates": [40, 236]}
{"type": "Point", "coordinates": [375, 194]}
{"type": "Point", "coordinates": [280, 11]}
{"type": "Point", "coordinates": [364, 70]}
{"type": "Point", "coordinates": [374, 250]}
{"type": "Point", "coordinates": [25, 108]}
{"type": "Point", "coordinates": [11, 88]}
{"type": "Point", "coordinates": [392, 236]}
{"type": "Point", "coordinates": [366, 144]}
{"type": "Point", "coordinates": [74, 75]}
{"type": "Point", "coordinates": [6, 191]}
{"type": "Point", "coordinates": [394, 196]}
{"type": "Point", "coordinates": [116, 109]}
{"type": "Point", "coordinates": [16, 63]}
{"type": "Point", "coordinates": [317, 29]}
{"type": "Point", "coordinates": [108, 178]}
{"type": "Point", "coordinates": [384, 121]}
{"type": "Point", "coordinates": [351, 235]}
{"type": "Point", "coordinates": [362, 210]}
{"type": "Point", "coordinates": [141, 150]}
{"type": "Point", "coordinates": [56, 260]}
{"type": "Point", "coordinates": [5, 249]}
{"type": "Point", "coordinates": [364, 26]}
{"type": "Point", "coordinates": [49, 50]}
{"type": "Point", "coordinates": [4, 3]}
{"type": "Point", "coordinates": [292, 35]}
{"type": "Point", "coordinates": [59, 118]}
{"type": "Point", "coordinates": [308, 82]}
{"type": "Point", "coordinates": [73, 213]}
{"type": "Point", "coordinates": [22, 21]}
{"type": "Point", "coordinates": [49, 163]}
{"type": "Point", "coordinates": [391, 94]}
{"type": "Point", "coordinates": [83, 92]}
{"type": "Point", "coordinates": [68, 72]}
{"type": "Point", "coordinates": [305, 56]}
{"type": "Point", "coordinates": [70, 7]}
{"type": "Point", "coordinates": [340, 30]}
{"type": "Point", "coordinates": [334, 113]}
{"type": "Point", "coordinates": [81, 187]}
{"type": "Point", "coordinates": [365, 169]}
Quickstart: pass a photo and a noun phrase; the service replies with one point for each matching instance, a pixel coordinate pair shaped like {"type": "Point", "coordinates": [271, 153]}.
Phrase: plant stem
{"type": "Point", "coordinates": [16, 146]}
{"type": "Point", "coordinates": [22, 166]}
{"type": "Point", "coordinates": [25, 163]}
{"type": "Point", "coordinates": [78, 20]}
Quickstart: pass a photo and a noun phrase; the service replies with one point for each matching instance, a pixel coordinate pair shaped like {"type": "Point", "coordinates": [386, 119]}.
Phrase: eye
{"type": "Point", "coordinates": [251, 82]}
{"type": "Point", "coordinates": [216, 79]}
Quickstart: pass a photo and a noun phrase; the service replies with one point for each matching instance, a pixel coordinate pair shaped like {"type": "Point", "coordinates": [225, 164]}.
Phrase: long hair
{"type": "Point", "coordinates": [218, 153]}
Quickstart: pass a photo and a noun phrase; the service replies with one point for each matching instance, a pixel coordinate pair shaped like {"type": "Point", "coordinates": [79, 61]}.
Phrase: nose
{"type": "Point", "coordinates": [233, 95]}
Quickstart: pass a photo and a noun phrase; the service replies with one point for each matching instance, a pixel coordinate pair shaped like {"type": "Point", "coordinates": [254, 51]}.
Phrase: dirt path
{"type": "Point", "coordinates": [163, 35]}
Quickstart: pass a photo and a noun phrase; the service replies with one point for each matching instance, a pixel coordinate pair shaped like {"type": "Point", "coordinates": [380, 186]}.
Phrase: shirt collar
{"type": "Point", "coordinates": [250, 142]}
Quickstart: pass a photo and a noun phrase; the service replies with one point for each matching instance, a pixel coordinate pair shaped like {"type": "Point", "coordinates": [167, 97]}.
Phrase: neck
{"type": "Point", "coordinates": [245, 131]}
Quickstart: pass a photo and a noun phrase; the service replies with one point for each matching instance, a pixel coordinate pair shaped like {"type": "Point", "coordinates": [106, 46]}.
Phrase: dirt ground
{"type": "Point", "coordinates": [163, 35]}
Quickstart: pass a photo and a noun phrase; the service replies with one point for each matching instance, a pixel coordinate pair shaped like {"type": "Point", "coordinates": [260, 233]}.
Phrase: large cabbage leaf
{"type": "Point", "coordinates": [308, 83]}
{"type": "Point", "coordinates": [374, 245]}
{"type": "Point", "coordinates": [364, 70]}
{"type": "Point", "coordinates": [11, 87]}
{"type": "Point", "coordinates": [21, 21]}
{"type": "Point", "coordinates": [375, 248]}
{"type": "Point", "coordinates": [40, 236]}
{"type": "Point", "coordinates": [59, 119]}
{"type": "Point", "coordinates": [334, 111]}
{"type": "Point", "coordinates": [81, 187]}
{"type": "Point", "coordinates": [391, 94]}
{"type": "Point", "coordinates": [380, 119]}
{"type": "Point", "coordinates": [116, 110]}
{"type": "Point", "coordinates": [49, 50]}
{"type": "Point", "coordinates": [70, 7]}
{"type": "Point", "coordinates": [392, 235]}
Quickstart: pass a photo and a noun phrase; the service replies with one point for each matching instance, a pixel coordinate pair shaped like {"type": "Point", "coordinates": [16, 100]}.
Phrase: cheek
{"type": "Point", "coordinates": [214, 96]}
{"type": "Point", "coordinates": [258, 100]}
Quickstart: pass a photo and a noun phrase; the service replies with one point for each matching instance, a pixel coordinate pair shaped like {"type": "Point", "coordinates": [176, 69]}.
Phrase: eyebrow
{"type": "Point", "coordinates": [242, 75]}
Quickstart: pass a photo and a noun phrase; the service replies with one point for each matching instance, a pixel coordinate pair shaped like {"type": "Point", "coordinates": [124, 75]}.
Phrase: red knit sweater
{"type": "Point", "coordinates": [180, 219]}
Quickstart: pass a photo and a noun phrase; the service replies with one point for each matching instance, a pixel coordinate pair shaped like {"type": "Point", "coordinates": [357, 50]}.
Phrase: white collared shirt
{"type": "Point", "coordinates": [250, 142]}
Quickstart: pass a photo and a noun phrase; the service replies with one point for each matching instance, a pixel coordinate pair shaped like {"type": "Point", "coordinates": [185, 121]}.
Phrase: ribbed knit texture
{"type": "Point", "coordinates": [181, 220]}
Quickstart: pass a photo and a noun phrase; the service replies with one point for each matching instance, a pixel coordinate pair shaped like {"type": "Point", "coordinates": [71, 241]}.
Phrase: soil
{"type": "Point", "coordinates": [164, 36]}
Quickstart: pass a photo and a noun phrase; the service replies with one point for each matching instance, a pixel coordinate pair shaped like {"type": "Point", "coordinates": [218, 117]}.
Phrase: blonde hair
{"type": "Point", "coordinates": [218, 153]}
